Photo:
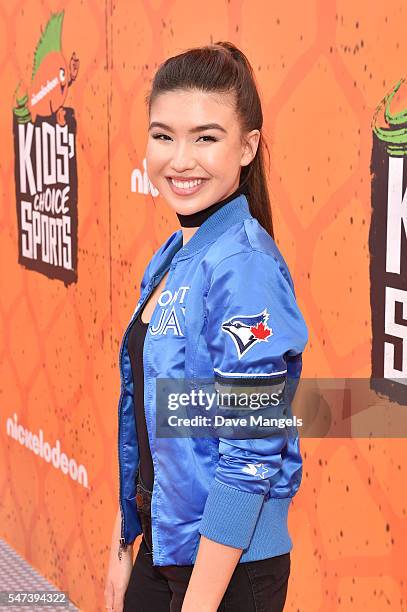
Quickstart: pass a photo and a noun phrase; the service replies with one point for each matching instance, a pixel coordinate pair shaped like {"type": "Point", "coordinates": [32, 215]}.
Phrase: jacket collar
{"type": "Point", "coordinates": [222, 219]}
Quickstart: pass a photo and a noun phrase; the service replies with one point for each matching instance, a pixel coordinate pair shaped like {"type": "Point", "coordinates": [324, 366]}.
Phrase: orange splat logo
{"type": "Point", "coordinates": [51, 77]}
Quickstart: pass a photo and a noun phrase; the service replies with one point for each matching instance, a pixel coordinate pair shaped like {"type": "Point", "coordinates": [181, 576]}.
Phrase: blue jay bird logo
{"type": "Point", "coordinates": [247, 330]}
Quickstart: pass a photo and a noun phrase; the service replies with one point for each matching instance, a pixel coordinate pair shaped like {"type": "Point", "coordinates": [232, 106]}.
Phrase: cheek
{"type": "Point", "coordinates": [154, 159]}
{"type": "Point", "coordinates": [210, 159]}
{"type": "Point", "coordinates": [219, 159]}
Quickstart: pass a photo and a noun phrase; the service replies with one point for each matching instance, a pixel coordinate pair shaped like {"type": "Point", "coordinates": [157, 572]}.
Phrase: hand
{"type": "Point", "coordinates": [118, 576]}
{"type": "Point", "coordinates": [61, 116]}
{"type": "Point", "coordinates": [73, 67]}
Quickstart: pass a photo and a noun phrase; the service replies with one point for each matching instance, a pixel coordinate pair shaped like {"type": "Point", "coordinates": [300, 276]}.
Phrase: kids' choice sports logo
{"type": "Point", "coordinates": [45, 161]}
{"type": "Point", "coordinates": [247, 330]}
{"type": "Point", "coordinates": [388, 245]}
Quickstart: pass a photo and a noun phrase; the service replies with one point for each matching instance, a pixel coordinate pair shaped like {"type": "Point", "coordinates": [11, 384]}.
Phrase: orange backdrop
{"type": "Point", "coordinates": [322, 67]}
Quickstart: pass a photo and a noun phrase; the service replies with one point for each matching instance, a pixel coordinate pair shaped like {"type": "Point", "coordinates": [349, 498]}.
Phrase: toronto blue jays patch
{"type": "Point", "coordinates": [247, 330]}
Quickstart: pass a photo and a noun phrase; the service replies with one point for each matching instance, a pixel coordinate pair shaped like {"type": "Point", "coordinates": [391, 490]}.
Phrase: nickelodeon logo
{"type": "Point", "coordinates": [140, 183]}
{"type": "Point", "coordinates": [52, 455]}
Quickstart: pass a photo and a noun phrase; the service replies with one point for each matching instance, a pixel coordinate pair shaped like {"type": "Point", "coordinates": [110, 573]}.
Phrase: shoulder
{"type": "Point", "coordinates": [247, 248]}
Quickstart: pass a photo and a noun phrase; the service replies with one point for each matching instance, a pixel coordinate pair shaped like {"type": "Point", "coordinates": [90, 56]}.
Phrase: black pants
{"type": "Point", "coordinates": [255, 586]}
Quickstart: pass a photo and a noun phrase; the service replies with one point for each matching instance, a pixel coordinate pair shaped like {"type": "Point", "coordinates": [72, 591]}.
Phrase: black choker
{"type": "Point", "coordinates": [197, 218]}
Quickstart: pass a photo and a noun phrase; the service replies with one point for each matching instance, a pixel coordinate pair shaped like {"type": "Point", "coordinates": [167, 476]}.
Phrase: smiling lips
{"type": "Point", "coordinates": [185, 186]}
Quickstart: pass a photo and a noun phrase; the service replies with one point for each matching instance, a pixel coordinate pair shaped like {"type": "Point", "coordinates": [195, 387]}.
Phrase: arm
{"type": "Point", "coordinates": [243, 287]}
{"type": "Point", "coordinates": [214, 566]}
{"type": "Point", "coordinates": [119, 571]}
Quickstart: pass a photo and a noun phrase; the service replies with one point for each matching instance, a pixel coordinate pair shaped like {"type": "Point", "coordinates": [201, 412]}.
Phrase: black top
{"type": "Point", "coordinates": [135, 347]}
{"type": "Point", "coordinates": [197, 218]}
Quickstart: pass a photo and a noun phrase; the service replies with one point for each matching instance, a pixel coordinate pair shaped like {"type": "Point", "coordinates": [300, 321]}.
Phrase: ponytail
{"type": "Point", "coordinates": [222, 67]}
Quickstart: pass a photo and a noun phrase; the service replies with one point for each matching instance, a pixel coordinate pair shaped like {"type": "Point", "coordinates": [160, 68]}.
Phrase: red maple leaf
{"type": "Point", "coordinates": [260, 331]}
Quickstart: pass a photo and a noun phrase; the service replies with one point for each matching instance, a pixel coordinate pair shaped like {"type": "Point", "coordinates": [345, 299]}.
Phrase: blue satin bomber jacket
{"type": "Point", "coordinates": [228, 277]}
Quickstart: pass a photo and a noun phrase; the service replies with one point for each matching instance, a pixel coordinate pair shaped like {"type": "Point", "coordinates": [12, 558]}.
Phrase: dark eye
{"type": "Point", "coordinates": [158, 136]}
{"type": "Point", "coordinates": [211, 138]}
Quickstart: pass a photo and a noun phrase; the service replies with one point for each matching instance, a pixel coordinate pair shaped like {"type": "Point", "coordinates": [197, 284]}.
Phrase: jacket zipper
{"type": "Point", "coordinates": [152, 284]}
{"type": "Point", "coordinates": [122, 542]}
{"type": "Point", "coordinates": [160, 275]}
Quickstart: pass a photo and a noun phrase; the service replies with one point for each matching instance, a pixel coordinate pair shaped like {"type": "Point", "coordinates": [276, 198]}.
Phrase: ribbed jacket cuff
{"type": "Point", "coordinates": [230, 515]}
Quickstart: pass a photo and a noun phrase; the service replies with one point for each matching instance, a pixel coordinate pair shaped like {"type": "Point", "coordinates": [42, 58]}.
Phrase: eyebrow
{"type": "Point", "coordinates": [198, 128]}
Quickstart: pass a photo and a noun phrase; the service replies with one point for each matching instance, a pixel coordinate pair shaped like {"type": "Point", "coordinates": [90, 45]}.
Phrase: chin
{"type": "Point", "coordinates": [184, 208]}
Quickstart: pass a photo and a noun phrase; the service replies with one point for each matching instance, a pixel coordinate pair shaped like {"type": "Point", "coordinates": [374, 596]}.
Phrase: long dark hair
{"type": "Point", "coordinates": [222, 67]}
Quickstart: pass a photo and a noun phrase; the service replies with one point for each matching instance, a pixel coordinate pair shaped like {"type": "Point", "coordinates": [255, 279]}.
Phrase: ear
{"type": "Point", "coordinates": [251, 143]}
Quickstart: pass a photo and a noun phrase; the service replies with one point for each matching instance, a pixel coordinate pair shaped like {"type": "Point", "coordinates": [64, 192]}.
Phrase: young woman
{"type": "Point", "coordinates": [217, 302]}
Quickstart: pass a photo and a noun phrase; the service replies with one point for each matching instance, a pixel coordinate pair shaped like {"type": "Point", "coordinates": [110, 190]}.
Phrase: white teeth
{"type": "Point", "coordinates": [186, 184]}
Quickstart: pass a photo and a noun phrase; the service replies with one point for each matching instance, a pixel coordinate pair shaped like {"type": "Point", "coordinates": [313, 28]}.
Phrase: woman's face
{"type": "Point", "coordinates": [194, 151]}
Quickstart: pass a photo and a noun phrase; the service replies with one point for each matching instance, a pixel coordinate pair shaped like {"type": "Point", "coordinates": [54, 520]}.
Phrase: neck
{"type": "Point", "coordinates": [191, 223]}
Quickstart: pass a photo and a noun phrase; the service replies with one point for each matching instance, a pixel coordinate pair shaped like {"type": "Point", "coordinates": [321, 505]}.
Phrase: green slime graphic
{"type": "Point", "coordinates": [394, 136]}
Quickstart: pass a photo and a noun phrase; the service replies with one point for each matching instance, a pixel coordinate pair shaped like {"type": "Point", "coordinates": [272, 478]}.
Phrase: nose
{"type": "Point", "coordinates": [182, 158]}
